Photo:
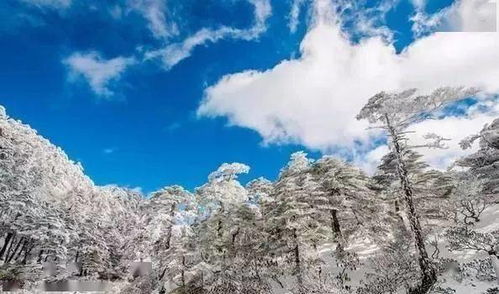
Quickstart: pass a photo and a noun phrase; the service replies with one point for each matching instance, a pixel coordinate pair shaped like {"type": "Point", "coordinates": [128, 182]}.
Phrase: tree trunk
{"type": "Point", "coordinates": [162, 274]}
{"type": "Point", "coordinates": [169, 234]}
{"type": "Point", "coordinates": [233, 248]}
{"type": "Point", "coordinates": [7, 253]}
{"type": "Point", "coordinates": [335, 224]}
{"type": "Point", "coordinates": [220, 228]}
{"type": "Point", "coordinates": [24, 247]}
{"type": "Point", "coordinates": [276, 279]}
{"type": "Point", "coordinates": [39, 260]}
{"type": "Point", "coordinates": [8, 238]}
{"type": "Point", "coordinates": [9, 258]}
{"type": "Point", "coordinates": [296, 251]}
{"type": "Point", "coordinates": [202, 281]}
{"type": "Point", "coordinates": [428, 273]}
{"type": "Point", "coordinates": [234, 236]}
{"type": "Point", "coordinates": [183, 272]}
{"type": "Point", "coordinates": [26, 253]}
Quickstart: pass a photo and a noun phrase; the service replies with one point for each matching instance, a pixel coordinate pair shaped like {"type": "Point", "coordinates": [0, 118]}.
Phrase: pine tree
{"type": "Point", "coordinates": [296, 224]}
{"type": "Point", "coordinates": [485, 162]}
{"type": "Point", "coordinates": [396, 112]}
{"type": "Point", "coordinates": [432, 188]}
{"type": "Point", "coordinates": [166, 213]}
{"type": "Point", "coordinates": [218, 200]}
{"type": "Point", "coordinates": [463, 238]}
{"type": "Point", "coordinates": [346, 192]}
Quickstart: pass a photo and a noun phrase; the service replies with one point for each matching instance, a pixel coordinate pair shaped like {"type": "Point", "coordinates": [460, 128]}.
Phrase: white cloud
{"type": "Point", "coordinates": [313, 100]}
{"type": "Point", "coordinates": [56, 4]}
{"type": "Point", "coordinates": [97, 71]}
{"type": "Point", "coordinates": [294, 14]}
{"type": "Point", "coordinates": [295, 101]}
{"type": "Point", "coordinates": [155, 12]}
{"type": "Point", "coordinates": [472, 16]}
{"type": "Point", "coordinates": [453, 128]}
{"type": "Point", "coordinates": [370, 161]}
{"type": "Point", "coordinates": [423, 23]}
{"type": "Point", "coordinates": [366, 21]}
{"type": "Point", "coordinates": [176, 52]}
{"type": "Point", "coordinates": [461, 16]}
{"type": "Point", "coordinates": [418, 4]}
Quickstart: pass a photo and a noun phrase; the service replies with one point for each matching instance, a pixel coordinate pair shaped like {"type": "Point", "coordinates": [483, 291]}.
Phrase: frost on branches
{"type": "Point", "coordinates": [395, 112]}
{"type": "Point", "coordinates": [485, 162]}
{"type": "Point", "coordinates": [322, 226]}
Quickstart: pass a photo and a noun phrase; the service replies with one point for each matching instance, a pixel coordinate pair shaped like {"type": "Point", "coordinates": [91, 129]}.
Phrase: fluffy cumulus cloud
{"type": "Point", "coordinates": [173, 53]}
{"type": "Point", "coordinates": [313, 99]}
{"type": "Point", "coordinates": [98, 72]}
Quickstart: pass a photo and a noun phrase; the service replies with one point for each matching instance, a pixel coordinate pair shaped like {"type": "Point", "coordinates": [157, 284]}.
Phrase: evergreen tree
{"type": "Point", "coordinates": [485, 162]}
{"type": "Point", "coordinates": [296, 225]}
{"type": "Point", "coordinates": [396, 112]}
{"type": "Point", "coordinates": [346, 193]}
{"type": "Point", "coordinates": [218, 200]}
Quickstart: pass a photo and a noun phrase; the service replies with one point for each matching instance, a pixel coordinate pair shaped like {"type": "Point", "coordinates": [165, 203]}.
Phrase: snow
{"type": "Point", "coordinates": [322, 225]}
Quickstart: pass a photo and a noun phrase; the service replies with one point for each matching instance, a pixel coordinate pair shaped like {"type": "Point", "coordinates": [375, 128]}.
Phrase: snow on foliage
{"type": "Point", "coordinates": [323, 226]}
{"type": "Point", "coordinates": [485, 162]}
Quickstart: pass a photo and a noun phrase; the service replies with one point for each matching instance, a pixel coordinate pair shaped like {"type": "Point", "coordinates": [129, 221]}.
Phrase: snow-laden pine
{"type": "Point", "coordinates": [322, 226]}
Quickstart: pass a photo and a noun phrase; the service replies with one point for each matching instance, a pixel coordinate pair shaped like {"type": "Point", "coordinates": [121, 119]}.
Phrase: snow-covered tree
{"type": "Point", "coordinates": [320, 223]}
{"type": "Point", "coordinates": [259, 191]}
{"type": "Point", "coordinates": [296, 224]}
{"type": "Point", "coordinates": [392, 269]}
{"type": "Point", "coordinates": [485, 162]}
{"type": "Point", "coordinates": [165, 211]}
{"type": "Point", "coordinates": [168, 214]}
{"type": "Point", "coordinates": [387, 178]}
{"type": "Point", "coordinates": [345, 189]}
{"type": "Point", "coordinates": [395, 112]}
{"type": "Point", "coordinates": [51, 212]}
{"type": "Point", "coordinates": [124, 227]}
{"type": "Point", "coordinates": [463, 238]}
{"type": "Point", "coordinates": [223, 188]}
{"type": "Point", "coordinates": [432, 188]}
{"type": "Point", "coordinates": [34, 177]}
{"type": "Point", "coordinates": [469, 198]}
{"type": "Point", "coordinates": [218, 200]}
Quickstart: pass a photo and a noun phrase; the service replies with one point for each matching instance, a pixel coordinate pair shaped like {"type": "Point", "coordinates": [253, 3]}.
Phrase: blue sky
{"type": "Point", "coordinates": [143, 128]}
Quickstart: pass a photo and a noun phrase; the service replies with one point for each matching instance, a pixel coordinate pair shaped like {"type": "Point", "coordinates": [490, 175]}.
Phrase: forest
{"type": "Point", "coordinates": [322, 226]}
